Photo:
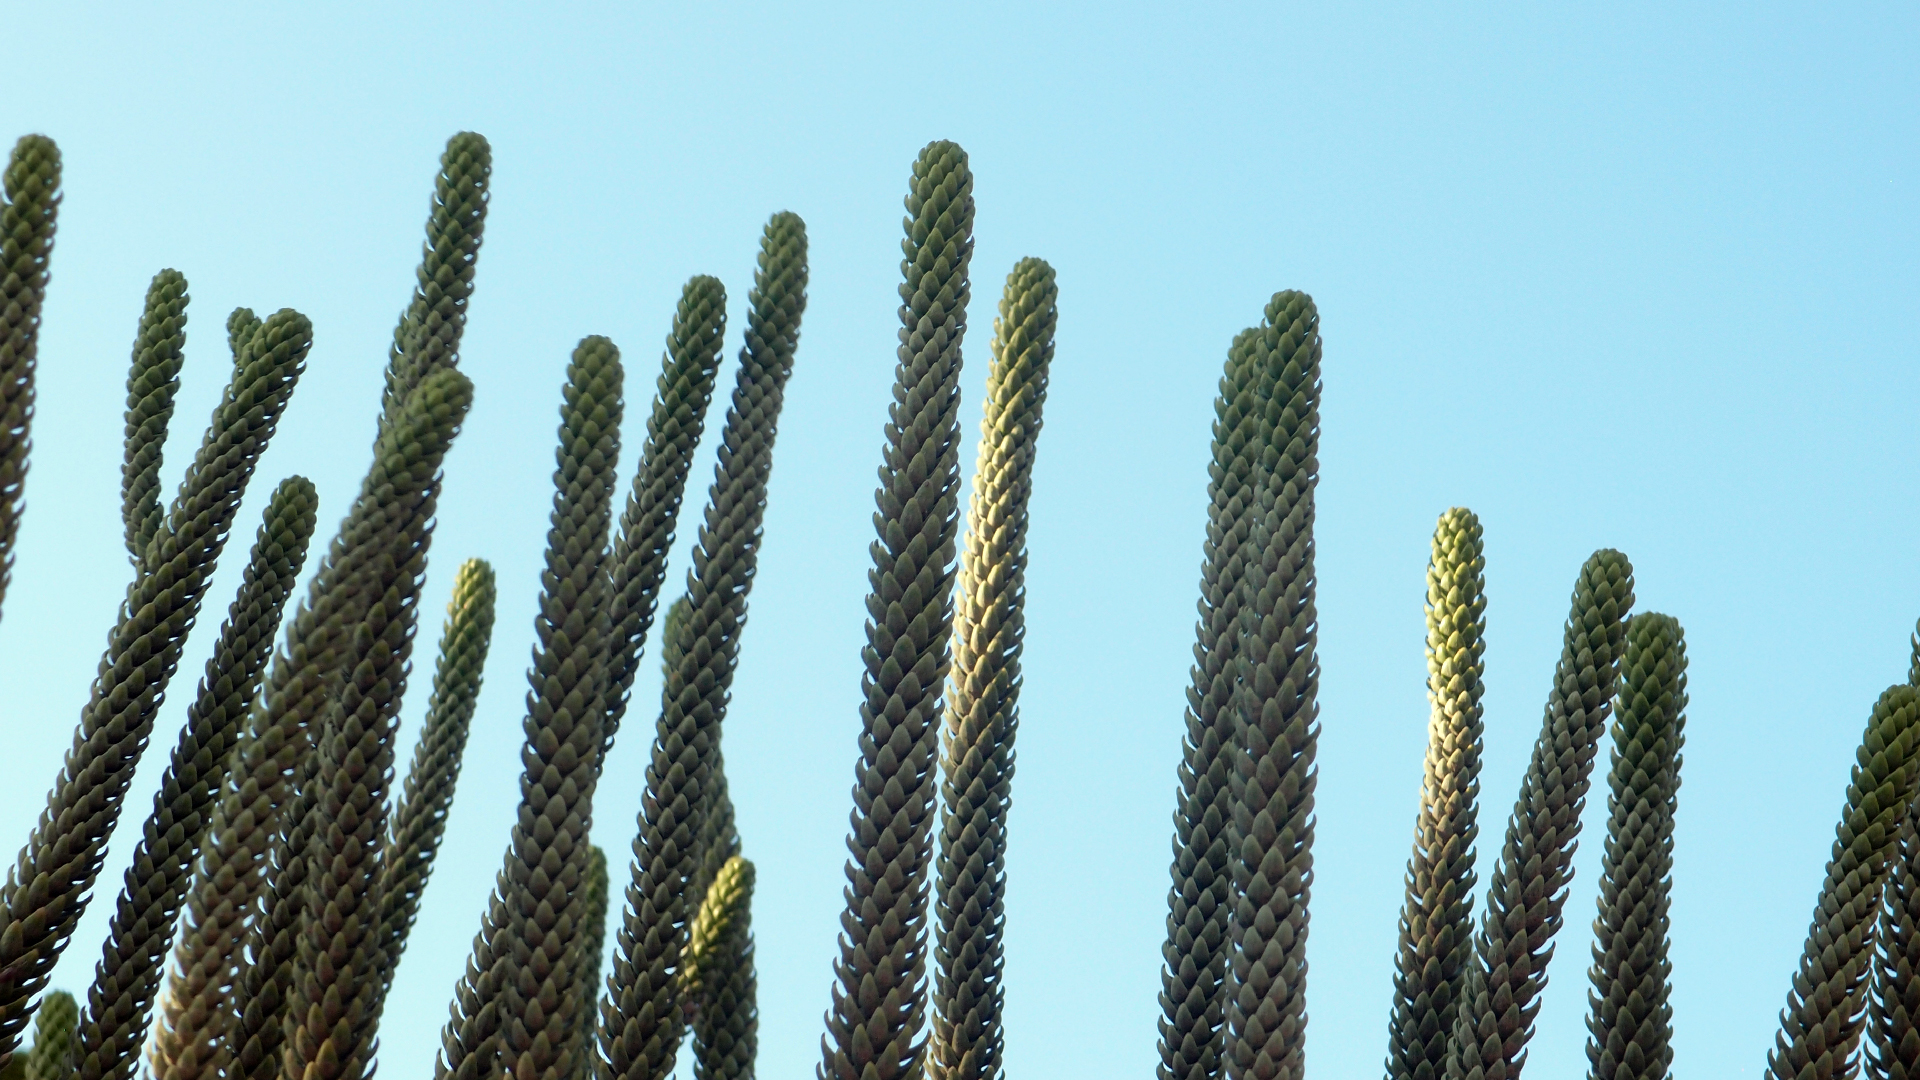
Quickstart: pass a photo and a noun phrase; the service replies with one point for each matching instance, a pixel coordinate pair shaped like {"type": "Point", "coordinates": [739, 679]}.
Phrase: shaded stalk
{"type": "Point", "coordinates": [152, 381]}
{"type": "Point", "coordinates": [1275, 710]}
{"type": "Point", "coordinates": [1436, 921]}
{"type": "Point", "coordinates": [50, 885]}
{"type": "Point", "coordinates": [121, 999]}
{"type": "Point", "coordinates": [1528, 890]}
{"type": "Point", "coordinates": [1821, 1025]}
{"type": "Point", "coordinates": [1199, 903]}
{"type": "Point", "coordinates": [31, 186]}
{"type": "Point", "coordinates": [641, 1025]}
{"type": "Point", "coordinates": [419, 820]}
{"type": "Point", "coordinates": [1630, 1026]}
{"type": "Point", "coordinates": [879, 986]}
{"type": "Point", "coordinates": [589, 952]}
{"type": "Point", "coordinates": [989, 627]}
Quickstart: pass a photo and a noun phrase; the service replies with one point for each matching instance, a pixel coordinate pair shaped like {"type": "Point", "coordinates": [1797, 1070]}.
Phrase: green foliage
{"type": "Point", "coordinates": [152, 381]}
{"type": "Point", "coordinates": [1529, 887]}
{"type": "Point", "coordinates": [989, 624]}
{"type": "Point", "coordinates": [1821, 1025]}
{"type": "Point", "coordinates": [642, 1028]}
{"type": "Point", "coordinates": [120, 1002]}
{"type": "Point", "coordinates": [879, 996]}
{"type": "Point", "coordinates": [31, 186]}
{"type": "Point", "coordinates": [54, 877]}
{"type": "Point", "coordinates": [1436, 921]}
{"type": "Point", "coordinates": [54, 1032]}
{"type": "Point", "coordinates": [1631, 1025]}
{"type": "Point", "coordinates": [719, 977]}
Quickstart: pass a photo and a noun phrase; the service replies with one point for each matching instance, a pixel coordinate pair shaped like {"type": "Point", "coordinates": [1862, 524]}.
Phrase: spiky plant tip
{"type": "Point", "coordinates": [1436, 920]}
{"type": "Point", "coordinates": [1820, 1027]}
{"type": "Point", "coordinates": [32, 201]}
{"type": "Point", "coordinates": [873, 1027]}
{"type": "Point", "coordinates": [1630, 1026]}
{"type": "Point", "coordinates": [55, 1032]}
{"type": "Point", "coordinates": [152, 381]}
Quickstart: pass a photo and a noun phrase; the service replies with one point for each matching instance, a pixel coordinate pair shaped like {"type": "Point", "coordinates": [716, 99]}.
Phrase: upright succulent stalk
{"type": "Point", "coordinates": [589, 948]}
{"type": "Point", "coordinates": [49, 887]}
{"type": "Point", "coordinates": [989, 625]}
{"type": "Point", "coordinates": [32, 189]}
{"type": "Point", "coordinates": [420, 819]}
{"type": "Point", "coordinates": [1436, 923]}
{"type": "Point", "coordinates": [54, 1033]}
{"type": "Point", "coordinates": [1821, 1025]}
{"type": "Point", "coordinates": [1193, 978]}
{"type": "Point", "coordinates": [1529, 887]}
{"type": "Point", "coordinates": [879, 991]}
{"type": "Point", "coordinates": [639, 563]}
{"type": "Point", "coordinates": [393, 513]}
{"type": "Point", "coordinates": [1893, 1004]}
{"type": "Point", "coordinates": [1275, 710]}
{"type": "Point", "coordinates": [152, 381]}
{"type": "Point", "coordinates": [119, 1004]}
{"type": "Point", "coordinates": [427, 337]}
{"type": "Point", "coordinates": [523, 1007]}
{"type": "Point", "coordinates": [720, 975]}
{"type": "Point", "coordinates": [1630, 1028]}
{"type": "Point", "coordinates": [642, 1026]}
{"type": "Point", "coordinates": [338, 979]}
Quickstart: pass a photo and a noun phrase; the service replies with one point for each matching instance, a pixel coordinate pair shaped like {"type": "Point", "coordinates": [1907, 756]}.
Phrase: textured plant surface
{"type": "Point", "coordinates": [719, 977]}
{"type": "Point", "coordinates": [589, 948]}
{"type": "Point", "coordinates": [427, 336]}
{"type": "Point", "coordinates": [874, 1022]}
{"type": "Point", "coordinates": [1893, 1004]}
{"type": "Point", "coordinates": [1436, 922]}
{"type": "Point", "coordinates": [1199, 904]}
{"type": "Point", "coordinates": [152, 381]}
{"type": "Point", "coordinates": [642, 1021]}
{"type": "Point", "coordinates": [519, 1001]}
{"type": "Point", "coordinates": [120, 1001]}
{"type": "Point", "coordinates": [54, 1033]}
{"type": "Point", "coordinates": [1275, 710]}
{"type": "Point", "coordinates": [32, 189]}
{"type": "Point", "coordinates": [331, 1013]}
{"type": "Point", "coordinates": [1821, 1024]}
{"type": "Point", "coordinates": [1528, 890]}
{"type": "Point", "coordinates": [420, 818]}
{"type": "Point", "coordinates": [639, 565]}
{"type": "Point", "coordinates": [50, 885]}
{"type": "Point", "coordinates": [1630, 1027]}
{"type": "Point", "coordinates": [988, 627]}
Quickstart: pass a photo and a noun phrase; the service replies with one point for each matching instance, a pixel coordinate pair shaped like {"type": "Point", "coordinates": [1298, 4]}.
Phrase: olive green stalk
{"type": "Point", "coordinates": [1528, 890]}
{"type": "Point", "coordinates": [1893, 1003]}
{"type": "Point", "coordinates": [331, 1014]}
{"type": "Point", "coordinates": [427, 337]}
{"type": "Point", "coordinates": [54, 1032]}
{"type": "Point", "coordinates": [152, 381]}
{"type": "Point", "coordinates": [392, 514]}
{"type": "Point", "coordinates": [1630, 1027]}
{"type": "Point", "coordinates": [49, 887]}
{"type": "Point", "coordinates": [1276, 708]}
{"type": "Point", "coordinates": [1199, 903]}
{"type": "Point", "coordinates": [32, 189]}
{"type": "Point", "coordinates": [639, 564]}
{"type": "Point", "coordinates": [120, 1001]}
{"type": "Point", "coordinates": [1822, 1022]}
{"type": "Point", "coordinates": [590, 949]}
{"type": "Point", "coordinates": [879, 988]}
{"type": "Point", "coordinates": [518, 1006]}
{"type": "Point", "coordinates": [419, 822]}
{"type": "Point", "coordinates": [720, 976]}
{"type": "Point", "coordinates": [989, 625]}
{"type": "Point", "coordinates": [1436, 922]}
{"type": "Point", "coordinates": [641, 1027]}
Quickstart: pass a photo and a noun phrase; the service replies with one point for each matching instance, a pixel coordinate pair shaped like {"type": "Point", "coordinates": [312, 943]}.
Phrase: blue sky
{"type": "Point", "coordinates": [1640, 277]}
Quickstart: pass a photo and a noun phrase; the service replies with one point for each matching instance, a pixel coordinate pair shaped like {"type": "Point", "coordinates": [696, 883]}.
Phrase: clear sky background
{"type": "Point", "coordinates": [1636, 277]}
